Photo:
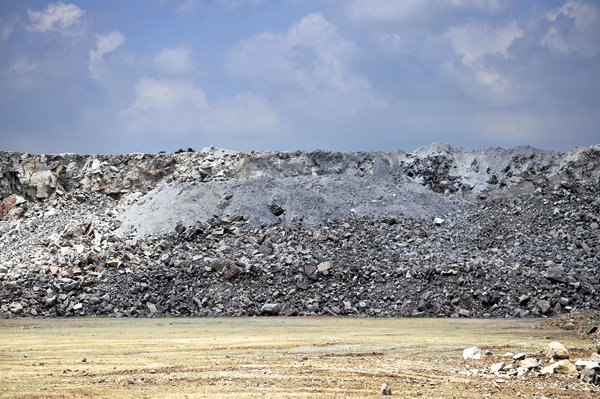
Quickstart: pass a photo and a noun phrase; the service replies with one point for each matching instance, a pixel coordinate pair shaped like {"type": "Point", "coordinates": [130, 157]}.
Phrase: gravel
{"type": "Point", "coordinates": [439, 232]}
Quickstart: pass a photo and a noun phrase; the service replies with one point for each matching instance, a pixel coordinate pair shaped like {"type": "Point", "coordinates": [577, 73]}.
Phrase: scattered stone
{"type": "Point", "coordinates": [587, 364]}
{"type": "Point", "coordinates": [519, 356]}
{"type": "Point", "coordinates": [473, 352]}
{"type": "Point", "coordinates": [556, 350]}
{"type": "Point", "coordinates": [556, 274]}
{"type": "Point", "coordinates": [543, 305]}
{"type": "Point", "coordinates": [589, 376]}
{"type": "Point", "coordinates": [271, 309]}
{"type": "Point", "coordinates": [560, 367]}
{"type": "Point", "coordinates": [323, 266]}
{"type": "Point", "coordinates": [151, 307]}
{"type": "Point", "coordinates": [385, 389]}
{"type": "Point", "coordinates": [531, 363]}
{"type": "Point", "coordinates": [276, 209]}
{"type": "Point", "coordinates": [496, 367]}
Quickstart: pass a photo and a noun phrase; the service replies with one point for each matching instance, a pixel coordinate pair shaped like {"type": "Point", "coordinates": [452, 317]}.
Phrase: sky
{"type": "Point", "coordinates": [117, 76]}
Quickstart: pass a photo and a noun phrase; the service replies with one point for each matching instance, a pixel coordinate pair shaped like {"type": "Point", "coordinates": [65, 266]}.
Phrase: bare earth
{"type": "Point", "coordinates": [274, 357]}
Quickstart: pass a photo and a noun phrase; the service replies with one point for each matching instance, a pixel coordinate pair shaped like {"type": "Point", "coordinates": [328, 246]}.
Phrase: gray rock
{"type": "Point", "coordinates": [589, 376]}
{"type": "Point", "coordinates": [543, 305]}
{"type": "Point", "coordinates": [151, 307]}
{"type": "Point", "coordinates": [556, 274]}
{"type": "Point", "coordinates": [385, 389]}
{"type": "Point", "coordinates": [271, 309]}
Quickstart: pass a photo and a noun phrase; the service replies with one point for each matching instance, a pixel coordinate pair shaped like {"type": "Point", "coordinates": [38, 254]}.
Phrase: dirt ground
{"type": "Point", "coordinates": [275, 358]}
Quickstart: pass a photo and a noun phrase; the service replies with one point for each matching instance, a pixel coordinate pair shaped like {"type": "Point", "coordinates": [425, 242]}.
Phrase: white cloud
{"type": "Point", "coordinates": [475, 41]}
{"type": "Point", "coordinates": [166, 95]}
{"type": "Point", "coordinates": [405, 10]}
{"type": "Point", "coordinates": [178, 107]}
{"type": "Point", "coordinates": [8, 26]}
{"type": "Point", "coordinates": [583, 14]}
{"type": "Point", "coordinates": [58, 17]}
{"type": "Point", "coordinates": [310, 63]}
{"type": "Point", "coordinates": [23, 65]}
{"type": "Point", "coordinates": [176, 61]}
{"type": "Point", "coordinates": [189, 5]}
{"type": "Point", "coordinates": [575, 27]}
{"type": "Point", "coordinates": [104, 44]}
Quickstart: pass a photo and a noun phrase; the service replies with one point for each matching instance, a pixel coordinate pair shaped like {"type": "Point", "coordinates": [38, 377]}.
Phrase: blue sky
{"type": "Point", "coordinates": [150, 75]}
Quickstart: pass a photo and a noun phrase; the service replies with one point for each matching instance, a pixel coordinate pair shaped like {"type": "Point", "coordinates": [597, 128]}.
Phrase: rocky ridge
{"type": "Point", "coordinates": [437, 232]}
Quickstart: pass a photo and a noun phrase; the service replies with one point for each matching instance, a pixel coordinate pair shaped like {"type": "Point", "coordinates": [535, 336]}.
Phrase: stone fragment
{"type": "Point", "coordinates": [531, 363]}
{"type": "Point", "coordinates": [496, 367]}
{"type": "Point", "coordinates": [523, 299]}
{"type": "Point", "coordinates": [556, 274]}
{"type": "Point", "coordinates": [589, 376]}
{"type": "Point", "coordinates": [323, 266]}
{"type": "Point", "coordinates": [543, 305]}
{"type": "Point", "coordinates": [474, 352]}
{"type": "Point", "coordinates": [271, 309]}
{"type": "Point", "coordinates": [179, 228]}
{"type": "Point", "coordinates": [311, 271]}
{"type": "Point", "coordinates": [15, 307]}
{"type": "Point", "coordinates": [560, 367]}
{"type": "Point", "coordinates": [519, 356]}
{"type": "Point", "coordinates": [231, 271]}
{"type": "Point", "coordinates": [151, 307]}
{"type": "Point", "coordinates": [385, 389]}
{"type": "Point", "coordinates": [275, 208]}
{"type": "Point", "coordinates": [438, 221]}
{"type": "Point", "coordinates": [587, 364]}
{"type": "Point", "coordinates": [565, 367]}
{"type": "Point", "coordinates": [556, 350]}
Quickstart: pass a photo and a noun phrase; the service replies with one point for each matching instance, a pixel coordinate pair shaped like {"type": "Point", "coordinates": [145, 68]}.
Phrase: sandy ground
{"type": "Point", "coordinates": [274, 358]}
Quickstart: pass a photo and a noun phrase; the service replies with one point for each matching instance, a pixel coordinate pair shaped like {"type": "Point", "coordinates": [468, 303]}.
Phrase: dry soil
{"type": "Point", "coordinates": [274, 358]}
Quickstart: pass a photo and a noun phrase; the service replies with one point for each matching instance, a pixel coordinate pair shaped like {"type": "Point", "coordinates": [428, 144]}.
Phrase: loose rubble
{"type": "Point", "coordinates": [440, 232]}
{"type": "Point", "coordinates": [556, 361]}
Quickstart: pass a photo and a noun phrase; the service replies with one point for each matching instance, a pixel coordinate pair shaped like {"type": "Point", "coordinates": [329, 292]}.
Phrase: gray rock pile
{"type": "Point", "coordinates": [437, 232]}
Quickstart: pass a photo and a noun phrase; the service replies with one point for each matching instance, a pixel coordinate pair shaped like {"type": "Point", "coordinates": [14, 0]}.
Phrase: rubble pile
{"type": "Point", "coordinates": [438, 232]}
{"type": "Point", "coordinates": [553, 359]}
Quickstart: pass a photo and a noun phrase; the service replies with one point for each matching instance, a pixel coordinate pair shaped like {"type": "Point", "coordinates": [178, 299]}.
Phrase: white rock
{"type": "Point", "coordinates": [587, 364]}
{"type": "Point", "coordinates": [530, 363]}
{"type": "Point", "coordinates": [473, 352]}
{"type": "Point", "coordinates": [496, 367]}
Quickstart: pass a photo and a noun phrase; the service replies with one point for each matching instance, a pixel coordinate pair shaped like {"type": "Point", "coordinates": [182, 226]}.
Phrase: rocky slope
{"type": "Point", "coordinates": [437, 232]}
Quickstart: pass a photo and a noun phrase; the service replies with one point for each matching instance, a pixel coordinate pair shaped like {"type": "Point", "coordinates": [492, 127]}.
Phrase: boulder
{"type": "Point", "coordinates": [271, 309]}
{"type": "Point", "coordinates": [474, 352]}
{"type": "Point", "coordinates": [556, 350]}
{"type": "Point", "coordinates": [556, 274]}
{"type": "Point", "coordinates": [589, 376]}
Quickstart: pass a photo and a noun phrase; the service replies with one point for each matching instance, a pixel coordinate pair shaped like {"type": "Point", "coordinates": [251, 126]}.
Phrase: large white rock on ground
{"type": "Point", "coordinates": [557, 350]}
{"type": "Point", "coordinates": [473, 352]}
